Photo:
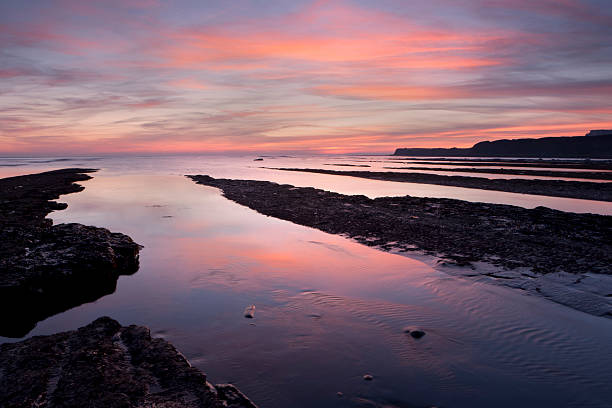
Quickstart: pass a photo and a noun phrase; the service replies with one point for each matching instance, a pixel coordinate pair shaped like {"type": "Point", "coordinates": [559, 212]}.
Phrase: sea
{"type": "Point", "coordinates": [328, 310]}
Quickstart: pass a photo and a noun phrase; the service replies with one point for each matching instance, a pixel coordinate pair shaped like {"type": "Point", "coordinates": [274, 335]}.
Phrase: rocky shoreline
{"type": "Point", "coordinates": [524, 243]}
{"type": "Point", "coordinates": [45, 268]}
{"type": "Point", "coordinates": [106, 365]}
{"type": "Point", "coordinates": [552, 188]}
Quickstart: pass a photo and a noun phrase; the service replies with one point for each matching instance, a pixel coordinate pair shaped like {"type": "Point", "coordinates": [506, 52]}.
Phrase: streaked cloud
{"type": "Point", "coordinates": [321, 76]}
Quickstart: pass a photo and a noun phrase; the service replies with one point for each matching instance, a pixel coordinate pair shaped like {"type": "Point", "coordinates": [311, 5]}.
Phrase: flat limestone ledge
{"type": "Point", "coordinates": [106, 365]}
{"type": "Point", "coordinates": [552, 188]}
{"type": "Point", "coordinates": [45, 268]}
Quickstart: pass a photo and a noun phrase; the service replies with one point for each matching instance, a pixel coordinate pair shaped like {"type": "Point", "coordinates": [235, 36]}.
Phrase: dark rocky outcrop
{"type": "Point", "coordinates": [461, 232]}
{"type": "Point", "coordinates": [106, 365]}
{"type": "Point", "coordinates": [45, 268]}
{"type": "Point", "coordinates": [553, 188]}
{"type": "Point", "coordinates": [596, 144]}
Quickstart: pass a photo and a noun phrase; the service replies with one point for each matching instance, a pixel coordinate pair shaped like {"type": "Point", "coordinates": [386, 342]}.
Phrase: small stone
{"type": "Point", "coordinates": [414, 332]}
{"type": "Point", "coordinates": [249, 312]}
{"type": "Point", "coordinates": [340, 394]}
{"type": "Point", "coordinates": [368, 377]}
{"type": "Point", "coordinates": [417, 334]}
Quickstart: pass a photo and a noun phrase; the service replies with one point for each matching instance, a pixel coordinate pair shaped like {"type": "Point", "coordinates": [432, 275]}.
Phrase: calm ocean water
{"type": "Point", "coordinates": [328, 310]}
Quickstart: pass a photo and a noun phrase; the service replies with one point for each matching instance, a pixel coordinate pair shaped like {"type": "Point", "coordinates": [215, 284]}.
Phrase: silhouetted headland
{"type": "Point", "coordinates": [45, 268]}
{"type": "Point", "coordinates": [597, 144]}
{"type": "Point", "coordinates": [533, 242]}
{"type": "Point", "coordinates": [106, 365]}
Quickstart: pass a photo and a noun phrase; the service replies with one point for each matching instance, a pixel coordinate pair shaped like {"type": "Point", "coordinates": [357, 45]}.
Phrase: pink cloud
{"type": "Point", "coordinates": [188, 83]}
{"type": "Point", "coordinates": [331, 76]}
{"type": "Point", "coordinates": [325, 32]}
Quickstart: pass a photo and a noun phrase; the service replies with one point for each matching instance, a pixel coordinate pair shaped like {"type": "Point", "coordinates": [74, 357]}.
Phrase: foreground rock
{"type": "Point", "coordinates": [106, 365]}
{"type": "Point", "coordinates": [552, 188]}
{"type": "Point", "coordinates": [45, 268]}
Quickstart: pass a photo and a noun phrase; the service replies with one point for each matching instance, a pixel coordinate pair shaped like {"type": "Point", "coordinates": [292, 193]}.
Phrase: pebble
{"type": "Point", "coordinates": [249, 312]}
{"type": "Point", "coordinates": [415, 333]}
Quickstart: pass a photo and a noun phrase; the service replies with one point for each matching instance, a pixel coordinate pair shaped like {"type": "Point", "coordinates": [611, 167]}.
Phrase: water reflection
{"type": "Point", "coordinates": [30, 308]}
{"type": "Point", "coordinates": [328, 310]}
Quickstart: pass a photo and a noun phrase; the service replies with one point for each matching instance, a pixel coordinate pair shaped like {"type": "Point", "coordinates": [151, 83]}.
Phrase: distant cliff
{"type": "Point", "coordinates": [597, 144]}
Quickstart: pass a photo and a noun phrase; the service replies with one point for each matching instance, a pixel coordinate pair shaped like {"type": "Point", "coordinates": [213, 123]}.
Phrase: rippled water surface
{"type": "Point", "coordinates": [328, 310]}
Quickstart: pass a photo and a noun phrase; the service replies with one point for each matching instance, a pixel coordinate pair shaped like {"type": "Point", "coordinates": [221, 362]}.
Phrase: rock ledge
{"type": "Point", "coordinates": [106, 365]}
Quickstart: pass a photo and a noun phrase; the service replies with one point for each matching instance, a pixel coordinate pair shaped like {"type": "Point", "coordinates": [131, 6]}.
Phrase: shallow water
{"type": "Point", "coordinates": [328, 310]}
{"type": "Point", "coordinates": [243, 167]}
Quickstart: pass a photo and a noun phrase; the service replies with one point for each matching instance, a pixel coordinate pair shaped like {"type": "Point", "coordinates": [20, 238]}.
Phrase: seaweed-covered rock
{"type": "Point", "coordinates": [106, 365]}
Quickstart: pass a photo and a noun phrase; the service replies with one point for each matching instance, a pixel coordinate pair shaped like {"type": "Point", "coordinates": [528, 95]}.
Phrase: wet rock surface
{"type": "Point", "coordinates": [106, 365]}
{"type": "Point", "coordinates": [567, 256]}
{"type": "Point", "coordinates": [553, 188]}
{"type": "Point", "coordinates": [45, 268]}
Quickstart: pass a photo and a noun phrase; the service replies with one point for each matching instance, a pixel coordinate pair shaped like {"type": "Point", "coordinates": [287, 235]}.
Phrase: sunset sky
{"type": "Point", "coordinates": [85, 77]}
